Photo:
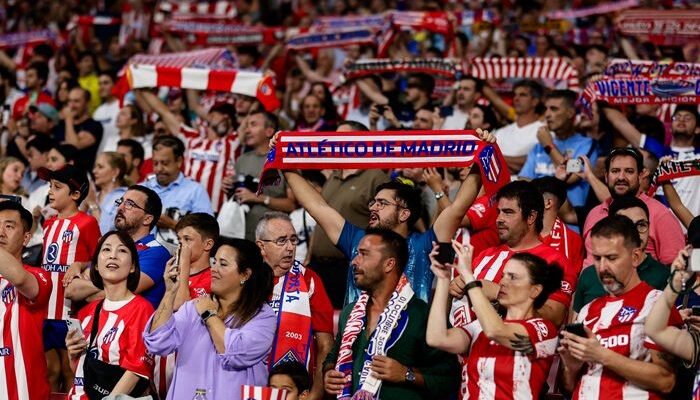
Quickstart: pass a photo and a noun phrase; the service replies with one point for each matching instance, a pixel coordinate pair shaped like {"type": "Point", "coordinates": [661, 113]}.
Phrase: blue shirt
{"type": "Point", "coordinates": [539, 163]}
{"type": "Point", "coordinates": [184, 194]}
{"type": "Point", "coordinates": [417, 269]}
{"type": "Point", "coordinates": [108, 209]}
{"type": "Point", "coordinates": [152, 259]}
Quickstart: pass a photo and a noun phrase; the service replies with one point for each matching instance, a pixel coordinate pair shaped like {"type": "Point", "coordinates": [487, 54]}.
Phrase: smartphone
{"type": "Point", "coordinates": [446, 254]}
{"type": "Point", "coordinates": [446, 112]}
{"type": "Point", "coordinates": [177, 258]}
{"type": "Point", "coordinates": [381, 108]}
{"type": "Point", "coordinates": [576, 329]}
{"type": "Point", "coordinates": [574, 165]}
{"type": "Point", "coordinates": [73, 324]}
{"type": "Point", "coordinates": [693, 261]}
{"type": "Point", "coordinates": [696, 310]}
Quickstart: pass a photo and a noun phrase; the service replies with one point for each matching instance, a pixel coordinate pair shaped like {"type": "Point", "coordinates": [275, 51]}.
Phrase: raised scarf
{"type": "Point", "coordinates": [390, 326]}
{"type": "Point", "coordinates": [661, 27]}
{"type": "Point", "coordinates": [670, 170]}
{"type": "Point", "coordinates": [12, 40]}
{"type": "Point", "coordinates": [520, 67]}
{"type": "Point", "coordinates": [291, 302]}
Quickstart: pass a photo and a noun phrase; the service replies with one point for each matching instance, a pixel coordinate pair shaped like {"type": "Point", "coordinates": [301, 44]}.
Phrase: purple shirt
{"type": "Point", "coordinates": [199, 366]}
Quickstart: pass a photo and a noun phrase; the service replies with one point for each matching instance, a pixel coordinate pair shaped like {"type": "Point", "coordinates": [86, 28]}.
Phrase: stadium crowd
{"type": "Point", "coordinates": [354, 199]}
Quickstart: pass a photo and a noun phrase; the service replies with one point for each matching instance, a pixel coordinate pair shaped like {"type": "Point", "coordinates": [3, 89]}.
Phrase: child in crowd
{"type": "Point", "coordinates": [70, 237]}
{"type": "Point", "coordinates": [196, 233]}
{"type": "Point", "coordinates": [292, 377]}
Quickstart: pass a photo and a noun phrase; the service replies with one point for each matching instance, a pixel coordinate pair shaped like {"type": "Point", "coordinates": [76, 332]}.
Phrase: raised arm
{"type": "Point", "coordinates": [677, 206]}
{"type": "Point", "coordinates": [155, 104]}
{"type": "Point", "coordinates": [370, 89]}
{"type": "Point", "coordinates": [326, 216]}
{"type": "Point", "coordinates": [499, 105]}
{"type": "Point", "coordinates": [13, 270]}
{"type": "Point", "coordinates": [451, 217]}
{"type": "Point", "coordinates": [193, 103]}
{"type": "Point", "coordinates": [310, 75]}
{"type": "Point", "coordinates": [622, 125]}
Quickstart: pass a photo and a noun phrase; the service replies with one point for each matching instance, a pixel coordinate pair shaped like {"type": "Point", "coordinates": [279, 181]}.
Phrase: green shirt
{"type": "Point", "coordinates": [440, 370]}
{"type": "Point", "coordinates": [589, 287]}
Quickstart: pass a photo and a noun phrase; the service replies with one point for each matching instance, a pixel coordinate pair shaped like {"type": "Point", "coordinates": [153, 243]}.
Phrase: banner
{"type": "Point", "coordinates": [253, 84]}
{"type": "Point", "coordinates": [433, 66]}
{"type": "Point", "coordinates": [386, 149]}
{"type": "Point", "coordinates": [375, 22]}
{"type": "Point", "coordinates": [336, 38]}
{"type": "Point", "coordinates": [670, 170]}
{"type": "Point", "coordinates": [12, 40]}
{"type": "Point", "coordinates": [642, 90]}
{"type": "Point", "coordinates": [604, 8]}
{"type": "Point", "coordinates": [661, 27]}
{"type": "Point", "coordinates": [620, 67]}
{"type": "Point", "coordinates": [521, 68]}
{"type": "Point", "coordinates": [222, 33]}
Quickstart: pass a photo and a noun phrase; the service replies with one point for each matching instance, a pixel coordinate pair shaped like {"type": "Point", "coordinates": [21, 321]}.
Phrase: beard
{"type": "Point", "coordinates": [632, 189]}
{"type": "Point", "coordinates": [613, 288]}
{"type": "Point", "coordinates": [389, 223]}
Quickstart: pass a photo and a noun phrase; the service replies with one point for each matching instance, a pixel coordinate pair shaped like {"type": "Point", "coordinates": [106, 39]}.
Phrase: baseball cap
{"type": "Point", "coordinates": [46, 110]}
{"type": "Point", "coordinates": [74, 177]}
{"type": "Point", "coordinates": [24, 214]}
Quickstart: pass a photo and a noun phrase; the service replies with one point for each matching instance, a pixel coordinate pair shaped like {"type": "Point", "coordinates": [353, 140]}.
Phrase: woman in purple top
{"type": "Point", "coordinates": [222, 341]}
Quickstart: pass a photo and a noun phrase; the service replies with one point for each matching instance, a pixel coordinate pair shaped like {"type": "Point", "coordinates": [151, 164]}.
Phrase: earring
{"type": "Point", "coordinates": [242, 282]}
{"type": "Point", "coordinates": [114, 179]}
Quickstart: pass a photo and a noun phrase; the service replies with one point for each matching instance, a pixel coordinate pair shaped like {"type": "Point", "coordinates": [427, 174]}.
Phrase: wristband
{"type": "Point", "coordinates": [206, 315]}
{"type": "Point", "coordinates": [472, 285]}
{"type": "Point", "coordinates": [439, 195]}
{"type": "Point", "coordinates": [548, 149]}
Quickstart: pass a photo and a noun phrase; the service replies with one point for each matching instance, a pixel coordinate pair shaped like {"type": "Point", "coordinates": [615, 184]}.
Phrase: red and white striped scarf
{"type": "Point", "coordinates": [670, 170]}
{"type": "Point", "coordinates": [518, 67]}
{"type": "Point", "coordinates": [221, 9]}
{"type": "Point", "coordinates": [604, 8]}
{"type": "Point", "coordinates": [249, 392]}
{"type": "Point", "coordinates": [661, 27]}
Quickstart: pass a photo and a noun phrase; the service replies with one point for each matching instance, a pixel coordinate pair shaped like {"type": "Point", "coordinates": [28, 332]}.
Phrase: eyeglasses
{"type": "Point", "coordinates": [294, 240]}
{"type": "Point", "coordinates": [382, 203]}
{"type": "Point", "coordinates": [642, 226]}
{"type": "Point", "coordinates": [128, 204]}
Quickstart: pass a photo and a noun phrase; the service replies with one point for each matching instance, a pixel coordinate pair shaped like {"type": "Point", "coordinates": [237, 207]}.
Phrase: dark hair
{"type": "Point", "coordinates": [541, 273]}
{"type": "Point", "coordinates": [226, 109]}
{"type": "Point", "coordinates": [86, 93]}
{"type": "Point", "coordinates": [356, 126]}
{"type": "Point", "coordinates": [135, 148]}
{"type": "Point", "coordinates": [618, 225]}
{"type": "Point", "coordinates": [689, 108]}
{"type": "Point", "coordinates": [478, 83]}
{"type": "Point", "coordinates": [132, 281]}
{"type": "Point", "coordinates": [407, 196]}
{"type": "Point", "coordinates": [140, 128]}
{"type": "Point", "coordinates": [628, 152]}
{"type": "Point", "coordinates": [650, 126]}
{"type": "Point", "coordinates": [395, 245]}
{"type": "Point", "coordinates": [598, 47]}
{"type": "Point", "coordinates": [42, 143]}
{"type": "Point", "coordinates": [489, 116]}
{"type": "Point", "coordinates": [536, 89]}
{"type": "Point", "coordinates": [330, 111]}
{"type": "Point", "coordinates": [24, 215]}
{"type": "Point", "coordinates": [68, 151]}
{"type": "Point", "coordinates": [529, 200]}
{"type": "Point", "coordinates": [42, 70]}
{"type": "Point", "coordinates": [203, 223]}
{"type": "Point", "coordinates": [257, 288]}
{"type": "Point", "coordinates": [553, 186]}
{"type": "Point", "coordinates": [110, 74]}
{"type": "Point", "coordinates": [569, 97]}
{"type": "Point", "coordinates": [43, 50]}
{"type": "Point", "coordinates": [296, 371]}
{"type": "Point", "coordinates": [154, 206]}
{"type": "Point", "coordinates": [314, 177]}
{"type": "Point", "coordinates": [426, 82]}
{"type": "Point", "coordinates": [627, 202]}
{"type": "Point", "coordinates": [271, 120]}
{"type": "Point", "coordinates": [172, 142]}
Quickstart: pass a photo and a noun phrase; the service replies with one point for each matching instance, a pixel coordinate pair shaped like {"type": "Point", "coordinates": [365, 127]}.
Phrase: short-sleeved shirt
{"type": "Point", "coordinates": [589, 287]}
{"type": "Point", "coordinates": [152, 259]}
{"type": "Point", "coordinates": [320, 304]}
{"type": "Point", "coordinates": [118, 341]}
{"type": "Point", "coordinates": [200, 283]}
{"type": "Point", "coordinates": [85, 157]}
{"type": "Point", "coordinates": [496, 372]}
{"type": "Point", "coordinates": [517, 141]}
{"type": "Point", "coordinates": [417, 268]}
{"type": "Point", "coordinates": [66, 241]}
{"type": "Point", "coordinates": [24, 375]}
{"type": "Point", "coordinates": [540, 164]}
{"type": "Point", "coordinates": [567, 242]}
{"type": "Point", "coordinates": [618, 323]}
{"type": "Point", "coordinates": [482, 220]}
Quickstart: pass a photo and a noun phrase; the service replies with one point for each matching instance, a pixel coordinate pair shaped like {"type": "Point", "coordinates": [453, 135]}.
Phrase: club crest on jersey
{"type": "Point", "coordinates": [8, 294]}
{"type": "Point", "coordinates": [626, 314]}
{"type": "Point", "coordinates": [67, 236]}
{"type": "Point", "coordinates": [110, 335]}
{"type": "Point", "coordinates": [489, 162]}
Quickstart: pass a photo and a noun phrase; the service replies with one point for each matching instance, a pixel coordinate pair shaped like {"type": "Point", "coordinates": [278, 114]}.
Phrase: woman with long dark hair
{"type": "Point", "coordinates": [223, 340]}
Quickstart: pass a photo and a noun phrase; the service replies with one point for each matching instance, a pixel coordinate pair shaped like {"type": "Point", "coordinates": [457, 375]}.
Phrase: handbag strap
{"type": "Point", "coordinates": [95, 323]}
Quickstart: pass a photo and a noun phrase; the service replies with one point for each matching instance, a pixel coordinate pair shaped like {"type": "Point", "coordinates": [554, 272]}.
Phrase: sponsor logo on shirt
{"type": "Point", "coordinates": [541, 328]}
{"type": "Point", "coordinates": [5, 351]}
{"type": "Point", "coordinates": [78, 381]}
{"type": "Point", "coordinates": [200, 292]}
{"type": "Point", "coordinates": [626, 314]}
{"type": "Point", "coordinates": [67, 236]}
{"type": "Point", "coordinates": [566, 287]}
{"type": "Point", "coordinates": [55, 268]}
{"type": "Point", "coordinates": [52, 252]}
{"type": "Point", "coordinates": [9, 294]}
{"type": "Point", "coordinates": [211, 157]}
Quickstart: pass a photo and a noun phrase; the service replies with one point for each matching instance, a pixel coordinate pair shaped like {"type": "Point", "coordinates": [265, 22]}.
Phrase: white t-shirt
{"type": "Point", "coordinates": [106, 114]}
{"type": "Point", "coordinates": [457, 120]}
{"type": "Point", "coordinates": [517, 141]}
{"type": "Point", "coordinates": [687, 188]}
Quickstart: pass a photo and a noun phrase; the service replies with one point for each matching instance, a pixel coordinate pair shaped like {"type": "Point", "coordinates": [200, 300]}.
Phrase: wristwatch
{"type": "Point", "coordinates": [548, 149]}
{"type": "Point", "coordinates": [410, 375]}
{"type": "Point", "coordinates": [206, 315]}
{"type": "Point", "coordinates": [439, 195]}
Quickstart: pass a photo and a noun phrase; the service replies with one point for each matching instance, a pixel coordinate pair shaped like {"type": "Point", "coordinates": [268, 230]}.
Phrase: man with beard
{"type": "Point", "coordinates": [624, 168]}
{"type": "Point", "coordinates": [615, 359]}
{"type": "Point", "coordinates": [211, 147]}
{"type": "Point", "coordinates": [519, 222]}
{"type": "Point", "coordinates": [299, 300]}
{"type": "Point", "coordinates": [467, 92]}
{"type": "Point", "coordinates": [685, 145]}
{"type": "Point", "coordinates": [137, 215]}
{"type": "Point", "coordinates": [395, 206]}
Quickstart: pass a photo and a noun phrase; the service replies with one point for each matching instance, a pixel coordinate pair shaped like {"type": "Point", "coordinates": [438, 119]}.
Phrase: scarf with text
{"type": "Point", "coordinates": [385, 150]}
{"type": "Point", "coordinates": [221, 9]}
{"type": "Point", "coordinates": [670, 170]}
{"type": "Point", "coordinates": [390, 326]}
{"type": "Point", "coordinates": [432, 66]}
{"type": "Point", "coordinates": [13, 40]}
{"type": "Point", "coordinates": [208, 33]}
{"type": "Point", "coordinates": [661, 27]}
{"type": "Point", "coordinates": [557, 238]}
{"type": "Point", "coordinates": [520, 67]}
{"type": "Point", "coordinates": [604, 8]}
{"type": "Point", "coordinates": [291, 302]}
{"type": "Point", "coordinates": [249, 392]}
{"type": "Point", "coordinates": [332, 38]}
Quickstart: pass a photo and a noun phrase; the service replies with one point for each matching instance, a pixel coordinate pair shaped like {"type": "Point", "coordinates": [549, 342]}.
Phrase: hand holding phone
{"type": "Point", "coordinates": [446, 254]}
{"type": "Point", "coordinates": [574, 166]}
{"type": "Point", "coordinates": [73, 324]}
{"type": "Point", "coordinates": [576, 328]}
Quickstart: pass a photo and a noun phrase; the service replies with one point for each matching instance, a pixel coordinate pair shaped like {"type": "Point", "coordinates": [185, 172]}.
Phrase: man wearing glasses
{"type": "Point", "coordinates": [650, 270]}
{"type": "Point", "coordinates": [137, 214]}
{"type": "Point", "coordinates": [298, 298]}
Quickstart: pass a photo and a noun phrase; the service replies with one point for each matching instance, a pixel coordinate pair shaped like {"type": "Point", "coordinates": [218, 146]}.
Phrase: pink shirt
{"type": "Point", "coordinates": [666, 237]}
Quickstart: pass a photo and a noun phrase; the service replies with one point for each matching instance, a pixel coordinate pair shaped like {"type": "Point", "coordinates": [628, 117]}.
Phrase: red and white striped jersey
{"type": "Point", "coordinates": [22, 364]}
{"type": "Point", "coordinates": [119, 340]}
{"type": "Point", "coordinates": [497, 372]}
{"type": "Point", "coordinates": [206, 160]}
{"type": "Point", "coordinates": [66, 240]}
{"type": "Point", "coordinates": [566, 241]}
{"type": "Point", "coordinates": [618, 322]}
